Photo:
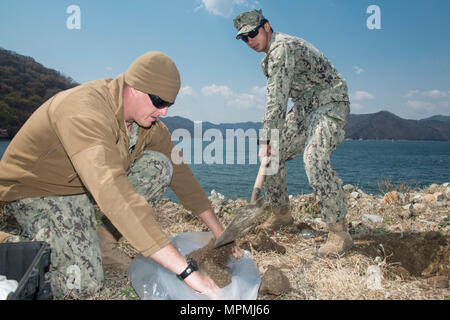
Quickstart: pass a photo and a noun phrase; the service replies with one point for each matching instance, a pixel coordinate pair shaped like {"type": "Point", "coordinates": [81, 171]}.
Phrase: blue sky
{"type": "Point", "coordinates": [404, 67]}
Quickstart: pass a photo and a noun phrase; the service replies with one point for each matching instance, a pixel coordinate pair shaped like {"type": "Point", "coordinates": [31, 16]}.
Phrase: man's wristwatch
{"type": "Point", "coordinates": [191, 267]}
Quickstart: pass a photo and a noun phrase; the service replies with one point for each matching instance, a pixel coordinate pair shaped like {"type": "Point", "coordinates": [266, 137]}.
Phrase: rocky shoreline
{"type": "Point", "coordinates": [401, 247]}
{"type": "Point", "coordinates": [401, 238]}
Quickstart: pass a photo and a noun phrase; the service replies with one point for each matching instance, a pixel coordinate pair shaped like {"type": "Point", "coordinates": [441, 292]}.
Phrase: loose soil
{"type": "Point", "coordinates": [213, 262]}
{"type": "Point", "coordinates": [264, 243]}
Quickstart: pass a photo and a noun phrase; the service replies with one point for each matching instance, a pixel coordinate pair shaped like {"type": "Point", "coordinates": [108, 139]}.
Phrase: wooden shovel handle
{"type": "Point", "coordinates": [257, 188]}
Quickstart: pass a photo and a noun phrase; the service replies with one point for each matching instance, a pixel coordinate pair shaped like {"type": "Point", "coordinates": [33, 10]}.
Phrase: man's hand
{"type": "Point", "coordinates": [200, 282]}
{"type": "Point", "coordinates": [170, 258]}
{"type": "Point", "coordinates": [265, 151]}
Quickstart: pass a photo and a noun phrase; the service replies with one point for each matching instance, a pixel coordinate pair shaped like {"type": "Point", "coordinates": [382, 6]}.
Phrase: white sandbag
{"type": "Point", "coordinates": [154, 282]}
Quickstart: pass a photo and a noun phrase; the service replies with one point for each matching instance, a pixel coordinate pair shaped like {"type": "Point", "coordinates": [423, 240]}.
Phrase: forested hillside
{"type": "Point", "coordinates": [24, 85]}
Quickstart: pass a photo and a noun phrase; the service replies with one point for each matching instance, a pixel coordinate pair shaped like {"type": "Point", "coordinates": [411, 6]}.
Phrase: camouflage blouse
{"type": "Point", "coordinates": [296, 69]}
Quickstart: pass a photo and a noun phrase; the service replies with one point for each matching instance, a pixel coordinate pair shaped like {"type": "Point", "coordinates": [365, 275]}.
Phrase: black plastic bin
{"type": "Point", "coordinates": [27, 263]}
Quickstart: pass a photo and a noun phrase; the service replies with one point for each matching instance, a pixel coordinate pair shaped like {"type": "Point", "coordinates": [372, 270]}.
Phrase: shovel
{"type": "Point", "coordinates": [245, 217]}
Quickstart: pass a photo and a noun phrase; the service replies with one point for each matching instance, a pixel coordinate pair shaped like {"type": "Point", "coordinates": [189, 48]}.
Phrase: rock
{"type": "Point", "coordinates": [439, 282]}
{"type": "Point", "coordinates": [355, 224]}
{"type": "Point", "coordinates": [355, 195]}
{"type": "Point", "coordinates": [440, 204]}
{"type": "Point", "coordinates": [306, 230]}
{"type": "Point", "coordinates": [429, 198]}
{"type": "Point", "coordinates": [372, 218]}
{"type": "Point", "coordinates": [406, 214]}
{"type": "Point", "coordinates": [348, 188]}
{"type": "Point", "coordinates": [274, 282]}
{"type": "Point", "coordinates": [439, 196]}
{"type": "Point", "coordinates": [217, 198]}
{"type": "Point", "coordinates": [408, 207]}
{"type": "Point", "coordinates": [419, 206]}
{"type": "Point", "coordinates": [433, 188]}
{"type": "Point", "coordinates": [417, 198]}
{"type": "Point", "coordinates": [217, 201]}
{"type": "Point", "coordinates": [320, 223]}
{"type": "Point", "coordinates": [445, 185]}
{"type": "Point", "coordinates": [447, 193]}
{"type": "Point", "coordinates": [392, 197]}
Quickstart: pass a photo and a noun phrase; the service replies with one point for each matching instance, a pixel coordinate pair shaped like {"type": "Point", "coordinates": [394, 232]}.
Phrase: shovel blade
{"type": "Point", "coordinates": [241, 223]}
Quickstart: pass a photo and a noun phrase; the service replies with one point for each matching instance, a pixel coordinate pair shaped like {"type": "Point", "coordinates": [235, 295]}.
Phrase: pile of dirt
{"type": "Point", "coordinates": [422, 254]}
{"type": "Point", "coordinates": [264, 243]}
{"type": "Point", "coordinates": [213, 262]}
{"type": "Point", "coordinates": [274, 282]}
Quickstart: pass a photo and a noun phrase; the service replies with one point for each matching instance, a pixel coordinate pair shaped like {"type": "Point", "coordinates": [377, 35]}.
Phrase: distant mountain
{"type": "Point", "coordinates": [24, 85]}
{"type": "Point", "coordinates": [177, 122]}
{"type": "Point", "coordinates": [439, 118]}
{"type": "Point", "coordinates": [382, 125]}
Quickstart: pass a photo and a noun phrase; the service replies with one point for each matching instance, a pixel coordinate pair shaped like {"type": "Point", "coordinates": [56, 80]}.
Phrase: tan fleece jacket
{"type": "Point", "coordinates": [77, 141]}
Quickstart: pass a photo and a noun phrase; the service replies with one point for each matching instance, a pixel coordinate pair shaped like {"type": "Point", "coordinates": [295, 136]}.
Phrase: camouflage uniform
{"type": "Point", "coordinates": [314, 126]}
{"type": "Point", "coordinates": [68, 224]}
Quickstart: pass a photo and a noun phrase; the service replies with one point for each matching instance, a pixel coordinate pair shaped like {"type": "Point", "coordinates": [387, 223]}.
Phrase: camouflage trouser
{"type": "Point", "coordinates": [316, 134]}
{"type": "Point", "coordinates": [68, 224]}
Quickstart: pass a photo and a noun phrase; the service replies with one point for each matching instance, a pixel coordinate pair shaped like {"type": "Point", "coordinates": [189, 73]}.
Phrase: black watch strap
{"type": "Point", "coordinates": [191, 267]}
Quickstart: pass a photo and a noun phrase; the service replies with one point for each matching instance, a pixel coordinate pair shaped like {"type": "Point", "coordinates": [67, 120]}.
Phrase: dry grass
{"type": "Point", "coordinates": [312, 277]}
{"type": "Point", "coordinates": [388, 185]}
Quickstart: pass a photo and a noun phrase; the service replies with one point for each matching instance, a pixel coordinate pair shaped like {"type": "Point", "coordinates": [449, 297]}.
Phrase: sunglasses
{"type": "Point", "coordinates": [158, 102]}
{"type": "Point", "coordinates": [253, 33]}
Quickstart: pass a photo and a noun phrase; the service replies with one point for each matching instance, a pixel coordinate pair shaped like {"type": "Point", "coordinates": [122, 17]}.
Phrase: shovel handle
{"type": "Point", "coordinates": [257, 188]}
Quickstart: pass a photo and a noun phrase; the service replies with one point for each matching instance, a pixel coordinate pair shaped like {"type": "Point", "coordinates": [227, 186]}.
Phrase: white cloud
{"type": "Point", "coordinates": [358, 70]}
{"type": "Point", "coordinates": [186, 91]}
{"type": "Point", "coordinates": [436, 94]}
{"type": "Point", "coordinates": [421, 105]}
{"type": "Point", "coordinates": [433, 94]}
{"type": "Point", "coordinates": [262, 91]}
{"type": "Point", "coordinates": [255, 99]}
{"type": "Point", "coordinates": [220, 103]}
{"type": "Point", "coordinates": [436, 101]}
{"type": "Point", "coordinates": [217, 90]}
{"type": "Point", "coordinates": [224, 8]}
{"type": "Point", "coordinates": [361, 95]}
{"type": "Point", "coordinates": [243, 100]}
{"type": "Point", "coordinates": [412, 93]}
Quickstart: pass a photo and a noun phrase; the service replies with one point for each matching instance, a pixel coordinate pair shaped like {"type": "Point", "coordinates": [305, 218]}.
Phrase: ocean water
{"type": "Point", "coordinates": [363, 164]}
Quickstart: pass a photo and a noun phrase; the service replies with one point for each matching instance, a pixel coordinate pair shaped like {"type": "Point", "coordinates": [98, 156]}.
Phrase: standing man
{"type": "Point", "coordinates": [102, 141]}
{"type": "Point", "coordinates": [314, 126]}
